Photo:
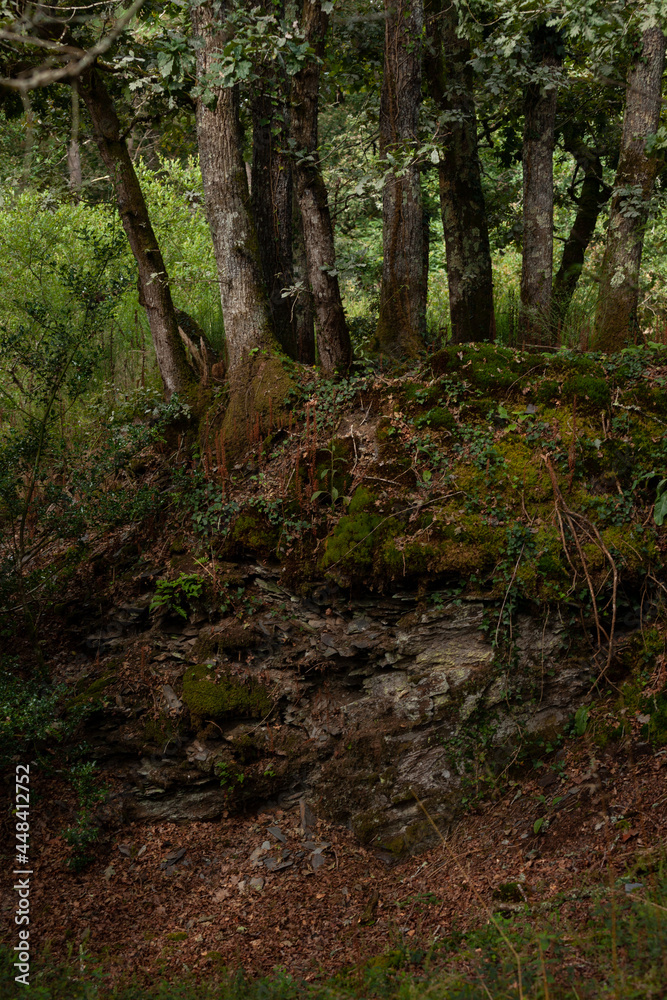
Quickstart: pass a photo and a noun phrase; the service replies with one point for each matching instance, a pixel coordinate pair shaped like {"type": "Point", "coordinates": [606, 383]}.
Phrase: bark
{"type": "Point", "coordinates": [464, 219]}
{"type": "Point", "coordinates": [402, 319]}
{"type": "Point", "coordinates": [271, 201]}
{"type": "Point", "coordinates": [594, 194]}
{"type": "Point", "coordinates": [301, 305]}
{"type": "Point", "coordinates": [333, 338]}
{"type": "Point", "coordinates": [153, 278]}
{"type": "Point", "coordinates": [618, 297]}
{"type": "Point", "coordinates": [538, 199]}
{"type": "Point", "coordinates": [245, 307]}
{"type": "Point", "coordinates": [73, 150]}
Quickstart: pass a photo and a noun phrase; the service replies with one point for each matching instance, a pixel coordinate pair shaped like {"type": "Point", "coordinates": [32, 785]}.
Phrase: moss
{"type": "Point", "coordinates": [492, 369]}
{"type": "Point", "coordinates": [593, 394]}
{"type": "Point", "coordinates": [362, 500]}
{"type": "Point", "coordinates": [547, 391]}
{"type": "Point", "coordinates": [352, 542]}
{"type": "Point", "coordinates": [251, 534]}
{"type": "Point", "coordinates": [439, 419]}
{"type": "Point", "coordinates": [258, 387]}
{"type": "Point", "coordinates": [93, 691]}
{"type": "Point", "coordinates": [646, 397]}
{"type": "Point", "coordinates": [211, 698]}
{"type": "Point", "coordinates": [177, 936]}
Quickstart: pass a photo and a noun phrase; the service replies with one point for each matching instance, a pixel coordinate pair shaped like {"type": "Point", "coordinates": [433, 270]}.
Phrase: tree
{"type": "Point", "coordinates": [333, 338]}
{"type": "Point", "coordinates": [539, 133]}
{"type": "Point", "coordinates": [245, 307]}
{"type": "Point", "coordinates": [153, 279]}
{"type": "Point", "coordinates": [592, 197]}
{"type": "Point", "coordinates": [271, 204]}
{"type": "Point", "coordinates": [450, 79]}
{"type": "Point", "coordinates": [402, 319]}
{"type": "Point", "coordinates": [618, 297]}
{"type": "Point", "coordinates": [257, 381]}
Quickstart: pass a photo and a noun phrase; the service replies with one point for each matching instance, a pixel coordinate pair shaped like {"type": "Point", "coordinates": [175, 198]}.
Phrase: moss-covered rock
{"type": "Point", "coordinates": [217, 696]}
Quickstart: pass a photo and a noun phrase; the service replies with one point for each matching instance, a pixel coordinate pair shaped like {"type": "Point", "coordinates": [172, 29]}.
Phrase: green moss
{"type": "Point", "coordinates": [251, 534]}
{"type": "Point", "coordinates": [362, 500]}
{"type": "Point", "coordinates": [352, 542]}
{"type": "Point", "coordinates": [177, 936]}
{"type": "Point", "coordinates": [593, 394]}
{"type": "Point", "coordinates": [439, 419]}
{"type": "Point", "coordinates": [547, 391]}
{"type": "Point", "coordinates": [211, 698]}
{"type": "Point", "coordinates": [93, 691]}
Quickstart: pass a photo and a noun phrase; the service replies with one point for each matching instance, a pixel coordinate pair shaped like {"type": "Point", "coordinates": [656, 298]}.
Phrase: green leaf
{"type": "Point", "coordinates": [538, 824]}
{"type": "Point", "coordinates": [660, 509]}
{"type": "Point", "coordinates": [581, 720]}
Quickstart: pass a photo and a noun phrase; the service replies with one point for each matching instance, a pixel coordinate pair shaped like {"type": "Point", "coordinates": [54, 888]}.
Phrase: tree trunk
{"type": "Point", "coordinates": [618, 297]}
{"type": "Point", "coordinates": [302, 305]}
{"type": "Point", "coordinates": [153, 278]}
{"type": "Point", "coordinates": [333, 338]}
{"type": "Point", "coordinates": [464, 221]}
{"type": "Point", "coordinates": [73, 150]}
{"type": "Point", "coordinates": [594, 193]}
{"type": "Point", "coordinates": [538, 197]}
{"type": "Point", "coordinates": [402, 319]}
{"type": "Point", "coordinates": [271, 201]}
{"type": "Point", "coordinates": [245, 307]}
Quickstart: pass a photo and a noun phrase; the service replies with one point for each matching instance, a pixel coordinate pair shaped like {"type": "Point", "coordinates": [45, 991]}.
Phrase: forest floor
{"type": "Point", "coordinates": [167, 898]}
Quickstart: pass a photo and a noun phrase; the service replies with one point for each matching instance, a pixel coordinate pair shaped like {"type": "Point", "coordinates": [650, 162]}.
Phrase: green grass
{"type": "Point", "coordinates": [618, 951]}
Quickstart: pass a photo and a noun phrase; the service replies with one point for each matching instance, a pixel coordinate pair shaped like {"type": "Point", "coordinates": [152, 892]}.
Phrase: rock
{"type": "Point", "coordinates": [276, 832]}
{"type": "Point", "coordinates": [307, 817]}
{"type": "Point", "coordinates": [257, 884]}
{"type": "Point", "coordinates": [174, 703]}
{"type": "Point", "coordinates": [316, 861]}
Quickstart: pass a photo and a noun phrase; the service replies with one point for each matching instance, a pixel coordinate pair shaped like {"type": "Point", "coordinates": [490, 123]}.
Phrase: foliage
{"type": "Point", "coordinates": [83, 835]}
{"type": "Point", "coordinates": [31, 715]}
{"type": "Point", "coordinates": [176, 595]}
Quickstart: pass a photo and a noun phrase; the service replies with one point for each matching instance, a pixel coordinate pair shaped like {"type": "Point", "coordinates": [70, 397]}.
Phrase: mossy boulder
{"type": "Point", "coordinates": [211, 695]}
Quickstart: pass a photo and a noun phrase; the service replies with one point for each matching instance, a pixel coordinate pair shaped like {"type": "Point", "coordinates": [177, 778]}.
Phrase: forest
{"type": "Point", "coordinates": [333, 500]}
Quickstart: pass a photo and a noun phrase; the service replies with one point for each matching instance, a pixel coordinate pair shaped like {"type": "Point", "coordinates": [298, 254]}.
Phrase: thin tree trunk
{"type": "Point", "coordinates": [301, 305]}
{"type": "Point", "coordinates": [464, 219]}
{"type": "Point", "coordinates": [618, 297]}
{"type": "Point", "coordinates": [73, 150]}
{"type": "Point", "coordinates": [594, 193]}
{"type": "Point", "coordinates": [333, 338]}
{"type": "Point", "coordinates": [245, 306]}
{"type": "Point", "coordinates": [271, 201]}
{"type": "Point", "coordinates": [538, 199]}
{"type": "Point", "coordinates": [153, 278]}
{"type": "Point", "coordinates": [402, 319]}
